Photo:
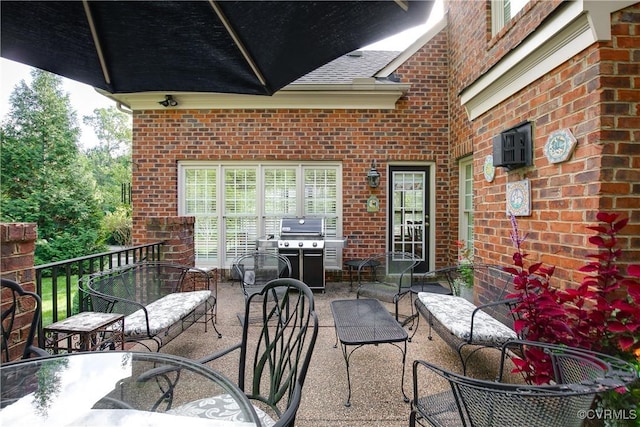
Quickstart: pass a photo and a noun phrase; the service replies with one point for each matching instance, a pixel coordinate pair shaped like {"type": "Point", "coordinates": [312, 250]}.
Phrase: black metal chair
{"type": "Point", "coordinates": [275, 355]}
{"type": "Point", "coordinates": [455, 399]}
{"type": "Point", "coordinates": [256, 268]}
{"type": "Point", "coordinates": [388, 278]}
{"type": "Point", "coordinates": [15, 301]}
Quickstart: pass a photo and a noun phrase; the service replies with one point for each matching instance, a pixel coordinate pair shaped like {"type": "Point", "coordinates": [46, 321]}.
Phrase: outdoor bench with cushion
{"type": "Point", "coordinates": [159, 300]}
{"type": "Point", "coordinates": [460, 323]}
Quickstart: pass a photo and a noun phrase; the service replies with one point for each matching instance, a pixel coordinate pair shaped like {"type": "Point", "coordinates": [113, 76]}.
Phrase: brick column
{"type": "Point", "coordinates": [178, 234]}
{"type": "Point", "coordinates": [18, 243]}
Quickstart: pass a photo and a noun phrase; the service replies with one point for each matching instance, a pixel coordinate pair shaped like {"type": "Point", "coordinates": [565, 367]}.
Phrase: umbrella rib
{"type": "Point", "coordinates": [403, 4]}
{"type": "Point", "coordinates": [237, 41]}
{"type": "Point", "coordinates": [96, 41]}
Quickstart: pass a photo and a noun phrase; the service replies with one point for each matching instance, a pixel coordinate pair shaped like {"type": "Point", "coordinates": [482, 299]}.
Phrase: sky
{"type": "Point", "coordinates": [84, 98]}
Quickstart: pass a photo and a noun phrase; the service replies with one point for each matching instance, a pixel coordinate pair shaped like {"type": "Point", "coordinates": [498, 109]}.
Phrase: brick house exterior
{"type": "Point", "coordinates": [461, 87]}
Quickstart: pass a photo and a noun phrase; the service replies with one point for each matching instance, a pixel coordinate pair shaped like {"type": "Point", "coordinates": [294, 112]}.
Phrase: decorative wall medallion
{"type": "Point", "coordinates": [373, 204]}
{"type": "Point", "coordinates": [559, 146]}
{"type": "Point", "coordinates": [488, 168]}
{"type": "Point", "coordinates": [519, 198]}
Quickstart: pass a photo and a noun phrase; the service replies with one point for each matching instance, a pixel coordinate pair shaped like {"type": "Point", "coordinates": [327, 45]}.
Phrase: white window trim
{"type": "Point", "coordinates": [298, 165]}
{"type": "Point", "coordinates": [497, 16]}
{"type": "Point", "coordinates": [462, 222]}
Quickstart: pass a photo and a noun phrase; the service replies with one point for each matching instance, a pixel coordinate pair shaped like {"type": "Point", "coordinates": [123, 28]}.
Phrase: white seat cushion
{"type": "Point", "coordinates": [164, 312]}
{"type": "Point", "coordinates": [455, 313]}
{"type": "Point", "coordinates": [222, 407]}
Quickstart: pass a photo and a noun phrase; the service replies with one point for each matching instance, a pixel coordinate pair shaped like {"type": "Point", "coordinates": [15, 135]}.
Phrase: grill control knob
{"type": "Point", "coordinates": [300, 244]}
{"type": "Point", "coordinates": [315, 244]}
{"type": "Point", "coordinates": [286, 244]}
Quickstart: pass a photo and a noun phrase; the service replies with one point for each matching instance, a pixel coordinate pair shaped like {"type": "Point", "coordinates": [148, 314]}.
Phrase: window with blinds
{"type": "Point", "coordinates": [200, 201]}
{"type": "Point", "coordinates": [235, 204]}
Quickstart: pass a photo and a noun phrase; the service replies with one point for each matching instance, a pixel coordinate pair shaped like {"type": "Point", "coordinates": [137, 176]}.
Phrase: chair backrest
{"type": "Point", "coordinates": [257, 268]}
{"type": "Point", "coordinates": [474, 402]}
{"type": "Point", "coordinates": [577, 375]}
{"type": "Point", "coordinates": [486, 403]}
{"type": "Point", "coordinates": [142, 283]}
{"type": "Point", "coordinates": [393, 268]}
{"type": "Point", "coordinates": [17, 304]}
{"type": "Point", "coordinates": [565, 365]}
{"type": "Point", "coordinates": [275, 355]}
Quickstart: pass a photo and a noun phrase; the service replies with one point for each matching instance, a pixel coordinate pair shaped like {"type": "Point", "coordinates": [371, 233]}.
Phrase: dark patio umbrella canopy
{"type": "Point", "coordinates": [248, 47]}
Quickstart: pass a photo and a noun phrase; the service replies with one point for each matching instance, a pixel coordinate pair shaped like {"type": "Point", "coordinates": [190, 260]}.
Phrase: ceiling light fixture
{"type": "Point", "coordinates": [168, 101]}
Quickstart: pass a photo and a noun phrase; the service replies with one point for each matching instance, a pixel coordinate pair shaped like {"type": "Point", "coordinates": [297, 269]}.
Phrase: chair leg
{"type": "Point", "coordinates": [415, 326]}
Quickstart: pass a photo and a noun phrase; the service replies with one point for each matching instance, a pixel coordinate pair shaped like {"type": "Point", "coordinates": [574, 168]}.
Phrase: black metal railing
{"type": "Point", "coordinates": [66, 277]}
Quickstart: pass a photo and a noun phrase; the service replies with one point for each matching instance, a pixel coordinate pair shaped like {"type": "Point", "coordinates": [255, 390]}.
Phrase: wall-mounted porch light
{"type": "Point", "coordinates": [373, 176]}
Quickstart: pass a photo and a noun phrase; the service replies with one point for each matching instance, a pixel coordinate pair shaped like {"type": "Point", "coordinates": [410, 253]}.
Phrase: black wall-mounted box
{"type": "Point", "coordinates": [513, 148]}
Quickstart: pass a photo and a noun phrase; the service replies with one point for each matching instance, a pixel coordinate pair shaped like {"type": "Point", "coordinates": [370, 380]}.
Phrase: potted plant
{"type": "Point", "coordinates": [463, 284]}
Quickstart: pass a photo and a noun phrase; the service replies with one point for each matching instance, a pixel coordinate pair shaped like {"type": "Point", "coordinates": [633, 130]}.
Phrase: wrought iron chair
{"type": "Point", "coordinates": [15, 301]}
{"type": "Point", "coordinates": [387, 277]}
{"type": "Point", "coordinates": [461, 400]}
{"type": "Point", "coordinates": [257, 268]}
{"type": "Point", "coordinates": [274, 356]}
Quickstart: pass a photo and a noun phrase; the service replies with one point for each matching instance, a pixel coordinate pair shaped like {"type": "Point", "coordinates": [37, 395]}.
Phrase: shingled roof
{"type": "Point", "coordinates": [357, 64]}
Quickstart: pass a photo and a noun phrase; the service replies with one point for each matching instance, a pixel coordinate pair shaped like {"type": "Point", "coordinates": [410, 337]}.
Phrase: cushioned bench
{"type": "Point", "coordinates": [460, 323]}
{"type": "Point", "coordinates": [159, 300]}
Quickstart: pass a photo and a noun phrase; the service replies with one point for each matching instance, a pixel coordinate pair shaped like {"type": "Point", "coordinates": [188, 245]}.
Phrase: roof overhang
{"type": "Point", "coordinates": [365, 93]}
{"type": "Point", "coordinates": [577, 26]}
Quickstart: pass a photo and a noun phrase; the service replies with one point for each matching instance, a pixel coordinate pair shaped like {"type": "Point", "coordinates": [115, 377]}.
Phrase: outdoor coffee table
{"type": "Point", "coordinates": [366, 321]}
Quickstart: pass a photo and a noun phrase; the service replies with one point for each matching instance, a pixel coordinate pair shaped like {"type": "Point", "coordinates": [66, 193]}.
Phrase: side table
{"type": "Point", "coordinates": [87, 331]}
{"type": "Point", "coordinates": [354, 264]}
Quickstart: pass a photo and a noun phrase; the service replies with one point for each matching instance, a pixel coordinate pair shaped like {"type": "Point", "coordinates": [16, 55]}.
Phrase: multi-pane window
{"type": "Point", "coordinates": [465, 233]}
{"type": "Point", "coordinates": [502, 11]}
{"type": "Point", "coordinates": [280, 196]}
{"type": "Point", "coordinates": [240, 207]}
{"type": "Point", "coordinates": [235, 204]}
{"type": "Point", "coordinates": [200, 200]}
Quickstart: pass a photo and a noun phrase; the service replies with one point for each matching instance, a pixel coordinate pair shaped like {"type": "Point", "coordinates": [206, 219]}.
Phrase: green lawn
{"type": "Point", "coordinates": [47, 299]}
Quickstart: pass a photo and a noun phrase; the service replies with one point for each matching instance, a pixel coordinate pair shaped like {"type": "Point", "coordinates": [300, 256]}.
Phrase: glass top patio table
{"type": "Point", "coordinates": [118, 388]}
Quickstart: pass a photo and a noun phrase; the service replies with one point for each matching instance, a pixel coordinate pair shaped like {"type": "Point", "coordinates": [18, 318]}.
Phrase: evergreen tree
{"type": "Point", "coordinates": [110, 160]}
{"type": "Point", "coordinates": [43, 178]}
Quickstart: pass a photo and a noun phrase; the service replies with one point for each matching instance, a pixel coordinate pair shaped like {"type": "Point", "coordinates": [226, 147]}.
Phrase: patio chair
{"type": "Point", "coordinates": [387, 277]}
{"type": "Point", "coordinates": [275, 355]}
{"type": "Point", "coordinates": [15, 301]}
{"type": "Point", "coordinates": [256, 268]}
{"type": "Point", "coordinates": [458, 400]}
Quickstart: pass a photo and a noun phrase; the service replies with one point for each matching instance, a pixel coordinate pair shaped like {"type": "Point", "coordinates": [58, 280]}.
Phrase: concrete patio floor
{"type": "Point", "coordinates": [376, 398]}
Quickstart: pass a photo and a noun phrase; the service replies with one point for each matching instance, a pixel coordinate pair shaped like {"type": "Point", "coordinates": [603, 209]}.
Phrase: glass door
{"type": "Point", "coordinates": [409, 212]}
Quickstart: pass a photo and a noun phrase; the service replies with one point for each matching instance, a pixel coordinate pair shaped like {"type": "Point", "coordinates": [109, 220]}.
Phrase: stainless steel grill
{"type": "Point", "coordinates": [302, 241]}
{"type": "Point", "coordinates": [303, 233]}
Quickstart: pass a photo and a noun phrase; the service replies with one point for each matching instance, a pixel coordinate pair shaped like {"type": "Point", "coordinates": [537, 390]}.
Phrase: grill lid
{"type": "Point", "coordinates": [303, 227]}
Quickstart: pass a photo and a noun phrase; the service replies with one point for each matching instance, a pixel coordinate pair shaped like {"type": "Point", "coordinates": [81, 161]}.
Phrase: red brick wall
{"type": "Point", "coordinates": [417, 131]}
{"type": "Point", "coordinates": [17, 243]}
{"type": "Point", "coordinates": [595, 95]}
{"type": "Point", "coordinates": [178, 234]}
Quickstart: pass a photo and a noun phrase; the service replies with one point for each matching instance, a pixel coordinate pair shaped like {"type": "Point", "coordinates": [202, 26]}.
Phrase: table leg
{"type": "Point", "coordinates": [404, 364]}
{"type": "Point", "coordinates": [347, 356]}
